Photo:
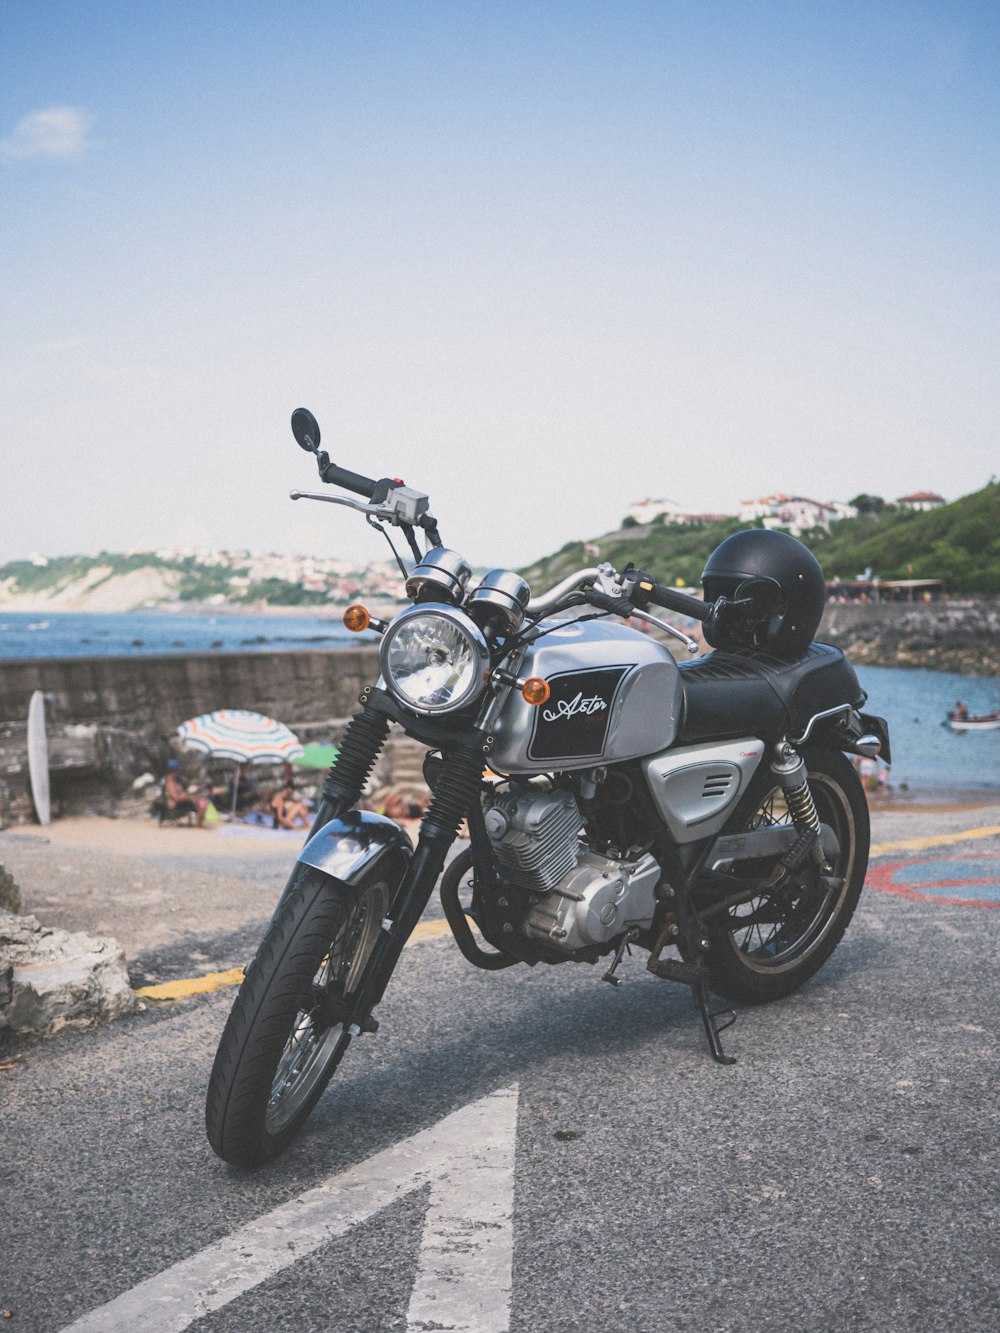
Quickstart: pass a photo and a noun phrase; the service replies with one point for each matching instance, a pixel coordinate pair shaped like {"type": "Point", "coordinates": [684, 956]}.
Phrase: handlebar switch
{"type": "Point", "coordinates": [408, 506]}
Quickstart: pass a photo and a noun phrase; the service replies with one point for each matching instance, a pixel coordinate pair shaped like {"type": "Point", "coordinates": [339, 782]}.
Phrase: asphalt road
{"type": "Point", "coordinates": [842, 1175]}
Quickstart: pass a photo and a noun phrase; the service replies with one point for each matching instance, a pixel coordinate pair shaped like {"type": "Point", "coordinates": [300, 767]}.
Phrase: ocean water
{"type": "Point", "coordinates": [928, 757]}
{"type": "Point", "coordinates": [89, 634]}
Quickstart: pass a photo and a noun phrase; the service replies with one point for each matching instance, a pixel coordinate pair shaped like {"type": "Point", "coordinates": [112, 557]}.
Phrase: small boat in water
{"type": "Point", "coordinates": [984, 722]}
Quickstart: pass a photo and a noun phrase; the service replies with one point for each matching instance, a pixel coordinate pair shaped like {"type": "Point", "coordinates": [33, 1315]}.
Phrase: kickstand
{"type": "Point", "coordinates": [699, 992]}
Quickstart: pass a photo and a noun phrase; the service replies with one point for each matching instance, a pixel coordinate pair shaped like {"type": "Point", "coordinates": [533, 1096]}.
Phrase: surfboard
{"type": "Point", "coordinates": [38, 757]}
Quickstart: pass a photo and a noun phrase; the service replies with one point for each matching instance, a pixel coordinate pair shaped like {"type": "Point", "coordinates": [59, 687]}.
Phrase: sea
{"type": "Point", "coordinates": [930, 761]}
{"type": "Point", "coordinates": [124, 634]}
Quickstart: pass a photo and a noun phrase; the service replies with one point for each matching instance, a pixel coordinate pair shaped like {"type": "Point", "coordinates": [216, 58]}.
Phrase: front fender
{"type": "Point", "coordinates": [345, 847]}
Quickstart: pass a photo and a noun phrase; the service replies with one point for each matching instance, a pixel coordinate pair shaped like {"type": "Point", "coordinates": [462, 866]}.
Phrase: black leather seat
{"type": "Point", "coordinates": [730, 694]}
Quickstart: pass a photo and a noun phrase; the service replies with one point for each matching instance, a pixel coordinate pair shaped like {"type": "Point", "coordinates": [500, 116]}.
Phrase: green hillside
{"type": "Point", "coordinates": [959, 543]}
{"type": "Point", "coordinates": [197, 583]}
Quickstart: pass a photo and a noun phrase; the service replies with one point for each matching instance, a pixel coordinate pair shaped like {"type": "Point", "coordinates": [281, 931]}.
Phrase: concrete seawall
{"type": "Point", "coordinates": [948, 636]}
{"type": "Point", "coordinates": [110, 719]}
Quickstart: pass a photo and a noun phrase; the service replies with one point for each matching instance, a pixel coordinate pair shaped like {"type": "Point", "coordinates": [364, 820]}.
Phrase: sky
{"type": "Point", "coordinates": [541, 260]}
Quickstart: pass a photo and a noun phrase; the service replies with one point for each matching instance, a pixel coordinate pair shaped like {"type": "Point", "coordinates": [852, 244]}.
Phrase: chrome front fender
{"type": "Point", "coordinates": [345, 847]}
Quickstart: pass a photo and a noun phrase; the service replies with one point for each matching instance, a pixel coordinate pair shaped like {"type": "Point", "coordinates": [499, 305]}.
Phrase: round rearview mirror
{"type": "Point", "coordinates": [305, 428]}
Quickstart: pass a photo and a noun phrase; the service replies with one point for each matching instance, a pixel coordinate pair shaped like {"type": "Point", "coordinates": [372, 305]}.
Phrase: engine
{"type": "Point", "coordinates": [577, 897]}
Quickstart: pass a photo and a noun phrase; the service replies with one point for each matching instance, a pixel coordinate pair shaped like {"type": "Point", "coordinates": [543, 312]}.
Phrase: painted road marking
{"type": "Point", "coordinates": [967, 879]}
{"type": "Point", "coordinates": [213, 981]}
{"type": "Point", "coordinates": [463, 1280]}
{"type": "Point", "coordinates": [938, 840]}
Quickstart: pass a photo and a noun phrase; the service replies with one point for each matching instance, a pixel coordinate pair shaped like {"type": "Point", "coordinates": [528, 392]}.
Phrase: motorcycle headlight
{"type": "Point", "coordinates": [434, 659]}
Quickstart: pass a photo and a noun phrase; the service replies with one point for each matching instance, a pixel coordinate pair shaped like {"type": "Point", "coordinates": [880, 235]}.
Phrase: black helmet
{"type": "Point", "coordinates": [779, 581]}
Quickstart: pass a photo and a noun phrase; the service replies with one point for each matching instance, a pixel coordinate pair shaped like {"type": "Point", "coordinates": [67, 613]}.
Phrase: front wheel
{"type": "Point", "coordinates": [766, 948]}
{"type": "Point", "coordinates": [285, 1037]}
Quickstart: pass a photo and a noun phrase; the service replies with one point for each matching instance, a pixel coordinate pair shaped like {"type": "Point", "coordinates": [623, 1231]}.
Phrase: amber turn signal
{"type": "Point", "coordinates": [356, 618]}
{"type": "Point", "coordinates": [535, 690]}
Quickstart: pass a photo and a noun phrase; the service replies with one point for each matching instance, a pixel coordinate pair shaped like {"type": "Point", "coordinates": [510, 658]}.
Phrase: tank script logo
{"type": "Point", "coordinates": [574, 723]}
{"type": "Point", "coordinates": [570, 707]}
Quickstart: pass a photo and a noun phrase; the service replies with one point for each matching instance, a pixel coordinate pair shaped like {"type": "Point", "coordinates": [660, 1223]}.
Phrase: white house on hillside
{"type": "Point", "coordinates": [645, 511]}
{"type": "Point", "coordinates": [922, 500]}
{"type": "Point", "coordinates": [795, 512]}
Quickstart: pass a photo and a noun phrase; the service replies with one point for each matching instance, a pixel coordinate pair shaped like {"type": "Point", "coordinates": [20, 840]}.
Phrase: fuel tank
{"type": "Point", "coordinates": [615, 695]}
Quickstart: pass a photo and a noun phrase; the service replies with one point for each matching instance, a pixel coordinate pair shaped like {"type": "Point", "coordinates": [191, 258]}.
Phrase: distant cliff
{"type": "Point", "coordinates": [948, 636]}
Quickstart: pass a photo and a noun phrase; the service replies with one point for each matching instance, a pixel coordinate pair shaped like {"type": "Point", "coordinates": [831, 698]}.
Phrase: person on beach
{"type": "Point", "coordinates": [178, 800]}
{"type": "Point", "coordinates": [289, 811]}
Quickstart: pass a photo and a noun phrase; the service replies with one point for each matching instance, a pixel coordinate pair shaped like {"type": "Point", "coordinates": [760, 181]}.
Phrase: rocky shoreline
{"type": "Point", "coordinates": [961, 636]}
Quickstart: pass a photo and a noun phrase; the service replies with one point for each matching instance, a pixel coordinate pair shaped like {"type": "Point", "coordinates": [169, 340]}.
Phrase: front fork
{"type": "Point", "coordinates": [455, 791]}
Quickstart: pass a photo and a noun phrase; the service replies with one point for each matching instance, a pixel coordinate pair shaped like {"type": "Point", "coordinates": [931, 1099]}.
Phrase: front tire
{"type": "Point", "coordinates": [765, 949]}
{"type": "Point", "coordinates": [283, 1040]}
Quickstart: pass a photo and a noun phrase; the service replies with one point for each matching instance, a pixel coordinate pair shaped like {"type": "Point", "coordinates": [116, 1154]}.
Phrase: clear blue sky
{"type": "Point", "coordinates": [542, 260]}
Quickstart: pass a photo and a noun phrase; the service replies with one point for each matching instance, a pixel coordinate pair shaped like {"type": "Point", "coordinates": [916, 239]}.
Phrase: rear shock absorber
{"type": "Point", "coordinates": [789, 768]}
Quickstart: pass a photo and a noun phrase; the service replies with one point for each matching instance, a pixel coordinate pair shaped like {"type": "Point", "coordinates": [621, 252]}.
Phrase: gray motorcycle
{"type": "Point", "coordinates": [703, 811]}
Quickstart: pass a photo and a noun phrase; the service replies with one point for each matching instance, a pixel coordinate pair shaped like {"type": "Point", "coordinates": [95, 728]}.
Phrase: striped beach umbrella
{"type": "Point", "coordinates": [246, 738]}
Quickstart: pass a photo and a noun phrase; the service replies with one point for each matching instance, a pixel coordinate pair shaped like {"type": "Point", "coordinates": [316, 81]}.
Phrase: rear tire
{"type": "Point", "coordinates": [277, 1052]}
{"type": "Point", "coordinates": [767, 948]}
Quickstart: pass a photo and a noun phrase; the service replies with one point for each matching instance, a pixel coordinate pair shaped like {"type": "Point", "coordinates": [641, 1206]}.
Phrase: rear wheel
{"type": "Point", "coordinates": [285, 1035]}
{"type": "Point", "coordinates": [766, 948]}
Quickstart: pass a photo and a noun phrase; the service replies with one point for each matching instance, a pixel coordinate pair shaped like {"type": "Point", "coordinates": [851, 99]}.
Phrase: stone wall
{"type": "Point", "coordinates": [948, 636]}
{"type": "Point", "coordinates": [111, 719]}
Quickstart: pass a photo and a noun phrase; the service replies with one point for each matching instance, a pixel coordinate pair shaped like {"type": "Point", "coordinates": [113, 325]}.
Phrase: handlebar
{"type": "Point", "coordinates": [642, 592]}
{"type": "Point", "coordinates": [646, 591]}
{"type": "Point", "coordinates": [339, 476]}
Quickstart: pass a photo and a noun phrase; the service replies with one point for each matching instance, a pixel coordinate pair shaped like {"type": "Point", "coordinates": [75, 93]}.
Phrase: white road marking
{"type": "Point", "coordinates": [463, 1280]}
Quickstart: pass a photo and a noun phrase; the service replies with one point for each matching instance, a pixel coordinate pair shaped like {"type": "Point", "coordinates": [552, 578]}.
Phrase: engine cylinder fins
{"type": "Point", "coordinates": [535, 836]}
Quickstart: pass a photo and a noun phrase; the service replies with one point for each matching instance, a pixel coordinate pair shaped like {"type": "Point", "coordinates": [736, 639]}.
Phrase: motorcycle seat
{"type": "Point", "coordinates": [727, 695]}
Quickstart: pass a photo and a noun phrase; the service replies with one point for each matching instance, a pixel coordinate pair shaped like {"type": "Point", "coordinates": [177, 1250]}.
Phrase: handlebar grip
{"type": "Point", "coordinates": [350, 481]}
{"type": "Point", "coordinates": [618, 606]}
{"type": "Point", "coordinates": [672, 600]}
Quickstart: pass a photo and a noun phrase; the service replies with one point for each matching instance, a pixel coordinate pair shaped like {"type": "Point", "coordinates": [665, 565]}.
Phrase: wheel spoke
{"type": "Point", "coordinates": [777, 927]}
{"type": "Point", "coordinates": [314, 1042]}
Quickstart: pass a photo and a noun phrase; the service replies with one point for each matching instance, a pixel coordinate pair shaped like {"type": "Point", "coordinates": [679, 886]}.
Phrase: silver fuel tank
{"type": "Point", "coordinates": [615, 695]}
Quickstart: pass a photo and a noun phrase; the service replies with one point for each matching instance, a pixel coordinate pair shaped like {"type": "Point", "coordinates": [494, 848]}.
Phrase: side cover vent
{"type": "Point", "coordinates": [695, 787]}
{"type": "Point", "coordinates": [717, 785]}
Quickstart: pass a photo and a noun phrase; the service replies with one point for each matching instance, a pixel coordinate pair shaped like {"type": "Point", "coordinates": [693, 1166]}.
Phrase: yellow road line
{"type": "Point", "coordinates": [179, 990]}
{"type": "Point", "coordinates": [938, 840]}
{"type": "Point", "coordinates": [426, 930]}
{"type": "Point", "coordinates": [212, 981]}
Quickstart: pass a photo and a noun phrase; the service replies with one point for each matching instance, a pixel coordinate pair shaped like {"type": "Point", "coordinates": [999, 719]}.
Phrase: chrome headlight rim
{"type": "Point", "coordinates": [473, 637]}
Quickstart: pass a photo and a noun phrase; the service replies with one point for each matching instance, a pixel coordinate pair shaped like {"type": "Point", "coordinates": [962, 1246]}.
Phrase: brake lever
{"type": "Point", "coordinates": [377, 510]}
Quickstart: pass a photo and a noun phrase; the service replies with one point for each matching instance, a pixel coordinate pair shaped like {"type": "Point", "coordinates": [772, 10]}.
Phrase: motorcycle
{"type": "Point", "coordinates": [702, 811]}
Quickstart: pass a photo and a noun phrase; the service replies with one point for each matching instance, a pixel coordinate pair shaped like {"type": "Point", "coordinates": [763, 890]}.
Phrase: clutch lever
{"type": "Point", "coordinates": [665, 625]}
{"type": "Point", "coordinates": [621, 606]}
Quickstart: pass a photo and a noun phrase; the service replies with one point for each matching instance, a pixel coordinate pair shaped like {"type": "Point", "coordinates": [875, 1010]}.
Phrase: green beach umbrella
{"type": "Point", "coordinates": [317, 755]}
